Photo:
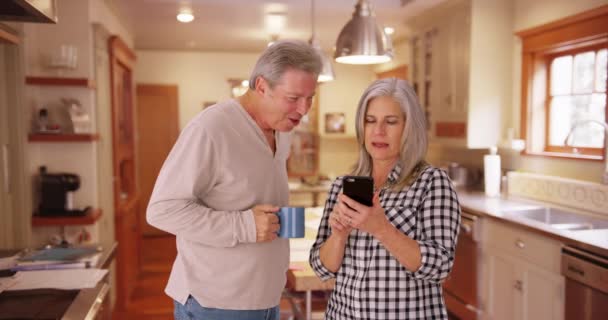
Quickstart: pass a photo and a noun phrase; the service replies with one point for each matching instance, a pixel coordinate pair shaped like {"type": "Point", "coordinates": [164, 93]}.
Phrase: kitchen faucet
{"type": "Point", "coordinates": [603, 124]}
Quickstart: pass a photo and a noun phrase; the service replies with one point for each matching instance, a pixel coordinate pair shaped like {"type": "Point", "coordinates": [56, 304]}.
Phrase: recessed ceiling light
{"type": "Point", "coordinates": [389, 30]}
{"type": "Point", "coordinates": [275, 22]}
{"type": "Point", "coordinates": [185, 15]}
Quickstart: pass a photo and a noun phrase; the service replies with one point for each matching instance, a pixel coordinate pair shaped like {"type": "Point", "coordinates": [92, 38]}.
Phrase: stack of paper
{"type": "Point", "coordinates": [6, 283]}
{"type": "Point", "coordinates": [72, 279]}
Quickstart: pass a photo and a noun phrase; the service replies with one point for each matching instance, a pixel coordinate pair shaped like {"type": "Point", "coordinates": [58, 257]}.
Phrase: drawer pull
{"type": "Point", "coordinates": [520, 244]}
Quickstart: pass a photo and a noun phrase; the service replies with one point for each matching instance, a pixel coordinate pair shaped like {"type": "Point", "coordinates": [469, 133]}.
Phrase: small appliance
{"type": "Point", "coordinates": [57, 194]}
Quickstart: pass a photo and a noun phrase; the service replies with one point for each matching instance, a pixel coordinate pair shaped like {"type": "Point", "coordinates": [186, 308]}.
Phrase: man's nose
{"type": "Point", "coordinates": [303, 106]}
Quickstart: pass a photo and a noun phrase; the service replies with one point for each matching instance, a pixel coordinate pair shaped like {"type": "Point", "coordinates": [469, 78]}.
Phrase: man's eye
{"type": "Point", "coordinates": [292, 99]}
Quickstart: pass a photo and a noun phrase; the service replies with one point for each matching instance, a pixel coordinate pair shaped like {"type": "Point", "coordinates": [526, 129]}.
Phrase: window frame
{"type": "Point", "coordinates": [540, 45]}
{"type": "Point", "coordinates": [595, 47]}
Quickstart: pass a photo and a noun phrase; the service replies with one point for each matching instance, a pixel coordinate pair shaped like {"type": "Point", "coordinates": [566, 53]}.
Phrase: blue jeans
{"type": "Point", "coordinates": [192, 310]}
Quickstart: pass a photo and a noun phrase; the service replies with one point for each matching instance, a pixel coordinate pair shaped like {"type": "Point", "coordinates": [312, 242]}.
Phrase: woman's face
{"type": "Point", "coordinates": [383, 126]}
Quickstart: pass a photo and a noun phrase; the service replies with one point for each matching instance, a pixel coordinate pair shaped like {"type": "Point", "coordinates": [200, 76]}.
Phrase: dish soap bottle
{"type": "Point", "coordinates": [491, 166]}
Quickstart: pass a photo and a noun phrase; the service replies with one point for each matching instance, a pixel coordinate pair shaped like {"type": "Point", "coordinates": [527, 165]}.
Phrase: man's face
{"type": "Point", "coordinates": [289, 100]}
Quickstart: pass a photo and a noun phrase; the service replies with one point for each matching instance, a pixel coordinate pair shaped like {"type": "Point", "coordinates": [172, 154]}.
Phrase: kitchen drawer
{"type": "Point", "coordinates": [535, 248]}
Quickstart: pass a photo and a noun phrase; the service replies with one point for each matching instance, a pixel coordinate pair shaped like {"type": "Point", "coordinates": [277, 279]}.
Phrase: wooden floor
{"type": "Point", "coordinates": [149, 300]}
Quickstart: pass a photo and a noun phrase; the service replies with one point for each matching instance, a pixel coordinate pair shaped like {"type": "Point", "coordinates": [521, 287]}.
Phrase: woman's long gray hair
{"type": "Point", "coordinates": [413, 140]}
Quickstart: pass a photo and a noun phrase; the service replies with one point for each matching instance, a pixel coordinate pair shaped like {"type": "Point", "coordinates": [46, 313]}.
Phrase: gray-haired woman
{"type": "Point", "coordinates": [389, 259]}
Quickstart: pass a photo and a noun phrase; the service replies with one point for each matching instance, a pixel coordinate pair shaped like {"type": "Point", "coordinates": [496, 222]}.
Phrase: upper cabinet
{"type": "Point", "coordinates": [461, 69]}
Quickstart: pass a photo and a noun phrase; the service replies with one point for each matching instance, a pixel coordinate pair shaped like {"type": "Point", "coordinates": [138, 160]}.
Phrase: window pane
{"type": "Point", "coordinates": [567, 111]}
{"type": "Point", "coordinates": [562, 110]}
{"type": "Point", "coordinates": [600, 70]}
{"type": "Point", "coordinates": [584, 64]}
{"type": "Point", "coordinates": [561, 75]}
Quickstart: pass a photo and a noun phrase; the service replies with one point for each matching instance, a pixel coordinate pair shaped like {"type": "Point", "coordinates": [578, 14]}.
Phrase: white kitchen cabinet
{"type": "Point", "coordinates": [520, 278]}
{"type": "Point", "coordinates": [462, 70]}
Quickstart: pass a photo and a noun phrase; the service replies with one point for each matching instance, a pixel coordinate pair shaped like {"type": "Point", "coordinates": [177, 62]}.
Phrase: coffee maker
{"type": "Point", "coordinates": [57, 194]}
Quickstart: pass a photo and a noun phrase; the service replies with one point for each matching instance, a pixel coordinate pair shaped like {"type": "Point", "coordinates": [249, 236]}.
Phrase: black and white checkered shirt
{"type": "Point", "coordinates": [371, 283]}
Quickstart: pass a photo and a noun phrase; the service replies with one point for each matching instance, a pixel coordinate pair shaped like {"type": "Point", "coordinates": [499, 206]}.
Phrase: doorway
{"type": "Point", "coordinates": [157, 131]}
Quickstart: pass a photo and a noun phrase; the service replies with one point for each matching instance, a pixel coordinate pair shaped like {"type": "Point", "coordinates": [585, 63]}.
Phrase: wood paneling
{"type": "Point", "coordinates": [157, 131]}
{"type": "Point", "coordinates": [451, 129]}
{"type": "Point", "coordinates": [126, 198]}
{"type": "Point", "coordinates": [398, 72]}
{"type": "Point", "coordinates": [75, 137]}
{"type": "Point", "coordinates": [90, 218]}
{"type": "Point", "coordinates": [55, 81]}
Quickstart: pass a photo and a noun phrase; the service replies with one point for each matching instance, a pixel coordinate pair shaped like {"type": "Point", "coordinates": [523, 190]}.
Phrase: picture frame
{"type": "Point", "coordinates": [335, 122]}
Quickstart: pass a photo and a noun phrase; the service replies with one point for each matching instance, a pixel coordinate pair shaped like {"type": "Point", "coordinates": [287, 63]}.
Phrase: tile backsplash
{"type": "Point", "coordinates": [562, 191]}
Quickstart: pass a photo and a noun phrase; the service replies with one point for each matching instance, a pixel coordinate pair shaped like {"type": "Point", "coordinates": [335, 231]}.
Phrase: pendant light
{"type": "Point", "coordinates": [361, 41]}
{"type": "Point", "coordinates": [327, 71]}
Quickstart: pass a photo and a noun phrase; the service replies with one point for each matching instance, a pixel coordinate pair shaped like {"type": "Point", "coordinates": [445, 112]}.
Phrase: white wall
{"type": "Point", "coordinates": [74, 27]}
{"type": "Point", "coordinates": [112, 20]}
{"type": "Point", "coordinates": [529, 14]}
{"type": "Point", "coordinates": [202, 76]}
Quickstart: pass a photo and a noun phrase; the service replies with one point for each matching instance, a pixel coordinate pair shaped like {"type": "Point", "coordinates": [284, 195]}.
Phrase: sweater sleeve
{"type": "Point", "coordinates": [440, 223]}
{"type": "Point", "coordinates": [189, 172]}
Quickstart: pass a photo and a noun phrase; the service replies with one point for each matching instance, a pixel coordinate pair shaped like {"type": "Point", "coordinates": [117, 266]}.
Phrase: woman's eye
{"type": "Point", "coordinates": [369, 120]}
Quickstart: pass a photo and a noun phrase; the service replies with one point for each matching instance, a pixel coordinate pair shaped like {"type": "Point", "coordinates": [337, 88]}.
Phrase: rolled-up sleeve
{"type": "Point", "coordinates": [191, 171]}
{"type": "Point", "coordinates": [440, 223]}
{"type": "Point", "coordinates": [324, 232]}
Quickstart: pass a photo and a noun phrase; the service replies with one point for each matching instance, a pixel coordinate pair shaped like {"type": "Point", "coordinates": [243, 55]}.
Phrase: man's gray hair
{"type": "Point", "coordinates": [283, 55]}
{"type": "Point", "coordinates": [413, 140]}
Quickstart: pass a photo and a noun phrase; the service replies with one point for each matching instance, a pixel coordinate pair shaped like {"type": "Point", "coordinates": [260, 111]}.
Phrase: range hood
{"type": "Point", "coordinates": [43, 11]}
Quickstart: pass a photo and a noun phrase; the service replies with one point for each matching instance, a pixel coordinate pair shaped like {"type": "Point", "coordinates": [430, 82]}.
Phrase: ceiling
{"type": "Point", "coordinates": [238, 25]}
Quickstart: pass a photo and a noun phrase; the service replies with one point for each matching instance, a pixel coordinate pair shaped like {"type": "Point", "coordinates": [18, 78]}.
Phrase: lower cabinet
{"type": "Point", "coordinates": [517, 289]}
{"type": "Point", "coordinates": [516, 283]}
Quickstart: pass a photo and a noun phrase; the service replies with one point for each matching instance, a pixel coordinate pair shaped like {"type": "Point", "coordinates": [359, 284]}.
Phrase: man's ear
{"type": "Point", "coordinates": [261, 85]}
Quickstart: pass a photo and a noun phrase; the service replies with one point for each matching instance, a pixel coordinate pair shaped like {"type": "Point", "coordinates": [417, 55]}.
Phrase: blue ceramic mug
{"type": "Point", "coordinates": [291, 220]}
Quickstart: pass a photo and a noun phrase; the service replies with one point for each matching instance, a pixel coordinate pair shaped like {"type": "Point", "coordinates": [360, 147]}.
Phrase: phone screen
{"type": "Point", "coordinates": [360, 189]}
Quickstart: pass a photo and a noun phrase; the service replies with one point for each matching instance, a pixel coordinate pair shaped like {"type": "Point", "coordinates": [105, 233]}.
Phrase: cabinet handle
{"type": "Point", "coordinates": [5, 169]}
{"type": "Point", "coordinates": [520, 244]}
{"type": "Point", "coordinates": [519, 285]}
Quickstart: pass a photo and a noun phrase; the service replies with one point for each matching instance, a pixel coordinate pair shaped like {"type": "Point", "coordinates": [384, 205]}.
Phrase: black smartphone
{"type": "Point", "coordinates": [360, 189]}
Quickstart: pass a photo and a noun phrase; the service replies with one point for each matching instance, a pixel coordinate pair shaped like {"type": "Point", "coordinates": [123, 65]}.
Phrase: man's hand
{"type": "Point", "coordinates": [266, 222]}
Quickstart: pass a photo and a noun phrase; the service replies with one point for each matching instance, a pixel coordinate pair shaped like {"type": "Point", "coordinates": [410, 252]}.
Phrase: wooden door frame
{"type": "Point", "coordinates": [127, 234]}
{"type": "Point", "coordinates": [120, 54]}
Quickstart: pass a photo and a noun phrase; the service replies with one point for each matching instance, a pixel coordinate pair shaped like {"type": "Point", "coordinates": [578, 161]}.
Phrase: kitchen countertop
{"type": "Point", "coordinates": [83, 305]}
{"type": "Point", "coordinates": [595, 240]}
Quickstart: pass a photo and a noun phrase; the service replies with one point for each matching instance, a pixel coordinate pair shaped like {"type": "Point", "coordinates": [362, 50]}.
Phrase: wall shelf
{"type": "Point", "coordinates": [57, 81]}
{"type": "Point", "coordinates": [62, 137]}
{"type": "Point", "coordinates": [90, 218]}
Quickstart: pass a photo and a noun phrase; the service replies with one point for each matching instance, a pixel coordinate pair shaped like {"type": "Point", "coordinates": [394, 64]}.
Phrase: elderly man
{"type": "Point", "coordinates": [221, 185]}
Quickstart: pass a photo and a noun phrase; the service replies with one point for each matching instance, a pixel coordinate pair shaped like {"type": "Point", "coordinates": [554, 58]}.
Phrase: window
{"type": "Point", "coordinates": [564, 67]}
{"type": "Point", "coordinates": [577, 94]}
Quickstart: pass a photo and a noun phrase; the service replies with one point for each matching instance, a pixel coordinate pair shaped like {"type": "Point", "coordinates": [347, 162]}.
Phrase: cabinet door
{"type": "Point", "coordinates": [543, 294]}
{"type": "Point", "coordinates": [504, 289]}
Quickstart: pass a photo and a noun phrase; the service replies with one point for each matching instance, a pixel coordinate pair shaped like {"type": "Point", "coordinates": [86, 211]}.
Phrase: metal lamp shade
{"type": "Point", "coordinates": [361, 41]}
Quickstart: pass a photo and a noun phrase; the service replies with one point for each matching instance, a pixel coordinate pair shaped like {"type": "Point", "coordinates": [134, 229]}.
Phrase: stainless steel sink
{"type": "Point", "coordinates": [559, 219]}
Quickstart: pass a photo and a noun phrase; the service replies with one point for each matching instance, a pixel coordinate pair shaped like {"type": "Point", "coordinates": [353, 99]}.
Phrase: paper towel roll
{"type": "Point", "coordinates": [491, 166]}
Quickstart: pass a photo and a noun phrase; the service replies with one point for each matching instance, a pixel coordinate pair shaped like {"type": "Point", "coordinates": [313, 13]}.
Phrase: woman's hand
{"type": "Point", "coordinates": [369, 219]}
{"type": "Point", "coordinates": [338, 227]}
